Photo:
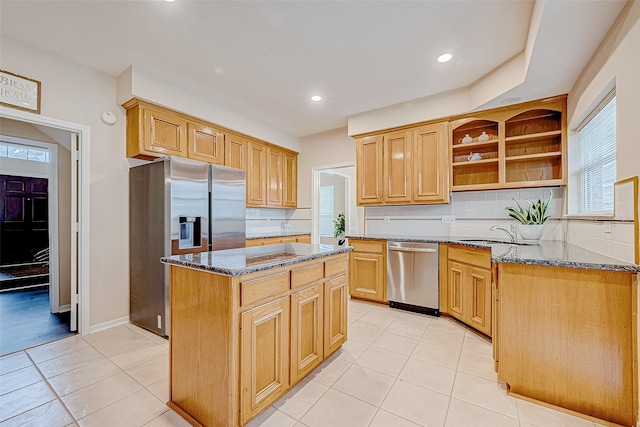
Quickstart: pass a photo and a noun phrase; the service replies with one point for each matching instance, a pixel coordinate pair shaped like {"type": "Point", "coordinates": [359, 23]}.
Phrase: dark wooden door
{"type": "Point", "coordinates": [24, 223]}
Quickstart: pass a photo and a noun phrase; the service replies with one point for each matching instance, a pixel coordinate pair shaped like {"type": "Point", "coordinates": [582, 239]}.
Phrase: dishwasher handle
{"type": "Point", "coordinates": [412, 250]}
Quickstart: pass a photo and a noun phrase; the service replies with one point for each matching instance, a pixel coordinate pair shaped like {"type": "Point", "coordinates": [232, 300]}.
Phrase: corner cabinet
{"type": "Point", "coordinates": [368, 270]}
{"type": "Point", "coordinates": [404, 167]}
{"type": "Point", "coordinates": [510, 147]}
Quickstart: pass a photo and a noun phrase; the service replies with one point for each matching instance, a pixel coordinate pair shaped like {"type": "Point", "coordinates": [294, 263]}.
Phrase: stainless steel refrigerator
{"type": "Point", "coordinates": [177, 206]}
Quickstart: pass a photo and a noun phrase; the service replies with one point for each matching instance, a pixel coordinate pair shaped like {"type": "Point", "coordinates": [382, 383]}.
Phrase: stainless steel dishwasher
{"type": "Point", "coordinates": [413, 277]}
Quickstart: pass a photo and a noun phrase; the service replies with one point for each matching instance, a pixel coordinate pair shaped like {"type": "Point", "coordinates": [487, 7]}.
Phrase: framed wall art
{"type": "Point", "coordinates": [19, 92]}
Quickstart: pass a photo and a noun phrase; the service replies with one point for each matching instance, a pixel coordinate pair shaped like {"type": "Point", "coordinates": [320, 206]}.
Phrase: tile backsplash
{"type": "Point", "coordinates": [268, 221]}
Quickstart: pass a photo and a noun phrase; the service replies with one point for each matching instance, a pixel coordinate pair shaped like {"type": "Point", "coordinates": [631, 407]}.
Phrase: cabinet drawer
{"type": "Point", "coordinates": [371, 246]}
{"type": "Point", "coordinates": [255, 290]}
{"type": "Point", "coordinates": [335, 267]}
{"type": "Point", "coordinates": [478, 257]}
{"type": "Point", "coordinates": [305, 275]}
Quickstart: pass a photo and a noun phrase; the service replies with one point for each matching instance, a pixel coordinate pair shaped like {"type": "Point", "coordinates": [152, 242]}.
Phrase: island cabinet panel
{"type": "Point", "coordinates": [265, 350]}
{"type": "Point", "coordinates": [306, 331]}
{"type": "Point", "coordinates": [567, 337]}
{"type": "Point", "coordinates": [335, 314]}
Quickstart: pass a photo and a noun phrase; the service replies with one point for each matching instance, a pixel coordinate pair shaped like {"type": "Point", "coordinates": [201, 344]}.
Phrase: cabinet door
{"type": "Point", "coordinates": [396, 168]}
{"type": "Point", "coordinates": [366, 278]}
{"type": "Point", "coordinates": [456, 289]}
{"type": "Point", "coordinates": [290, 180]}
{"type": "Point", "coordinates": [369, 170]}
{"type": "Point", "coordinates": [431, 163]}
{"type": "Point", "coordinates": [306, 331]}
{"type": "Point", "coordinates": [235, 151]}
{"type": "Point", "coordinates": [256, 174]}
{"type": "Point", "coordinates": [164, 133]}
{"type": "Point", "coordinates": [478, 292]}
{"type": "Point", "coordinates": [274, 177]}
{"type": "Point", "coordinates": [265, 365]}
{"type": "Point", "coordinates": [335, 314]}
{"type": "Point", "coordinates": [205, 143]}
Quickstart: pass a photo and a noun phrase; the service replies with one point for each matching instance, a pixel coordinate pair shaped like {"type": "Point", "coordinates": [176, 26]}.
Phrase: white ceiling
{"type": "Point", "coordinates": [265, 59]}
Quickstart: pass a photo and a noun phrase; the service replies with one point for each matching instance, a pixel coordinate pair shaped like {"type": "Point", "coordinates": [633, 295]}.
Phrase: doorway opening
{"type": "Point", "coordinates": [333, 193]}
{"type": "Point", "coordinates": [44, 251]}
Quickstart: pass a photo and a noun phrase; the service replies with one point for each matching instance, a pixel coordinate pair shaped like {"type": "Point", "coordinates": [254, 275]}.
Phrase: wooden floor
{"type": "Point", "coordinates": [26, 321]}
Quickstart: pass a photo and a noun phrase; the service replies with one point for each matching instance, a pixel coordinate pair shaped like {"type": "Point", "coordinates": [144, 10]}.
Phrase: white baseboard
{"type": "Point", "coordinates": [110, 324]}
{"type": "Point", "coordinates": [64, 308]}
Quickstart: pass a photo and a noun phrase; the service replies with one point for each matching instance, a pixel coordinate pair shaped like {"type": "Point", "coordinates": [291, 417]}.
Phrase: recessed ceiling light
{"type": "Point", "coordinates": [445, 57]}
{"type": "Point", "coordinates": [169, 1]}
{"type": "Point", "coordinates": [316, 98]}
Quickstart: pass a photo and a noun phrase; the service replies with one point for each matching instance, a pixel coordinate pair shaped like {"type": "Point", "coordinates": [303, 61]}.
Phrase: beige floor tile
{"type": "Point", "coordinates": [337, 409]}
{"type": "Point", "coordinates": [387, 419]}
{"type": "Point", "coordinates": [137, 355]}
{"type": "Point", "coordinates": [351, 350]}
{"type": "Point", "coordinates": [448, 324]}
{"type": "Point", "coordinates": [13, 362]}
{"type": "Point", "coordinates": [428, 375]}
{"type": "Point", "coordinates": [477, 364]}
{"type": "Point", "coordinates": [363, 332]}
{"type": "Point", "coordinates": [15, 380]}
{"type": "Point", "coordinates": [160, 389]}
{"type": "Point", "coordinates": [382, 360]}
{"type": "Point", "coordinates": [444, 356]}
{"type": "Point", "coordinates": [51, 414]}
{"type": "Point", "coordinates": [272, 418]}
{"type": "Point", "coordinates": [385, 311]}
{"type": "Point", "coordinates": [365, 384]}
{"type": "Point", "coordinates": [147, 334]}
{"type": "Point", "coordinates": [151, 371]}
{"type": "Point", "coordinates": [541, 416]}
{"type": "Point", "coordinates": [395, 343]}
{"type": "Point", "coordinates": [168, 419]}
{"type": "Point", "coordinates": [299, 424]}
{"type": "Point", "coordinates": [417, 404]}
{"type": "Point", "coordinates": [376, 322]}
{"type": "Point", "coordinates": [136, 410]}
{"type": "Point", "coordinates": [57, 349]}
{"type": "Point", "coordinates": [361, 306]}
{"type": "Point", "coordinates": [83, 376]}
{"type": "Point", "coordinates": [485, 393]}
{"type": "Point", "coordinates": [443, 338]}
{"type": "Point", "coordinates": [301, 398]}
{"type": "Point", "coordinates": [463, 414]}
{"type": "Point", "coordinates": [353, 318]}
{"type": "Point", "coordinates": [417, 318]}
{"type": "Point", "coordinates": [477, 345]}
{"type": "Point", "coordinates": [406, 329]}
{"type": "Point", "coordinates": [67, 362]}
{"type": "Point", "coordinates": [330, 370]}
{"type": "Point", "coordinates": [116, 340]}
{"type": "Point", "coordinates": [93, 398]}
{"type": "Point", "coordinates": [25, 399]}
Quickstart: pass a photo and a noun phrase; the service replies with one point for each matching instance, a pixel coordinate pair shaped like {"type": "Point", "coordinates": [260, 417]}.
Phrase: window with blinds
{"type": "Point", "coordinates": [326, 210]}
{"type": "Point", "coordinates": [598, 158]}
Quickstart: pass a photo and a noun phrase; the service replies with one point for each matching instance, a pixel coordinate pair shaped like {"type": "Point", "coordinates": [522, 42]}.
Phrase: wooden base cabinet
{"type": "Point", "coordinates": [368, 270]}
{"type": "Point", "coordinates": [307, 326]}
{"type": "Point", "coordinates": [335, 314]}
{"type": "Point", "coordinates": [469, 287]}
{"type": "Point", "coordinates": [568, 338]}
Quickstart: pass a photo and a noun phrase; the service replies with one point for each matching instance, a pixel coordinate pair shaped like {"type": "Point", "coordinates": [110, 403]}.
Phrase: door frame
{"type": "Point", "coordinates": [52, 195]}
{"type": "Point", "coordinates": [315, 197]}
{"type": "Point", "coordinates": [83, 227]}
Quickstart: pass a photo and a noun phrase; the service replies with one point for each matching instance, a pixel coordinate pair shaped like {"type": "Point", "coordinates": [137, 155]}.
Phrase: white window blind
{"type": "Point", "coordinates": [598, 158]}
{"type": "Point", "coordinates": [326, 210]}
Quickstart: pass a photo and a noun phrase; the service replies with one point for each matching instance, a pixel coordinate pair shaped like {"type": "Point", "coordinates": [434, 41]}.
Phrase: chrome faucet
{"type": "Point", "coordinates": [511, 232]}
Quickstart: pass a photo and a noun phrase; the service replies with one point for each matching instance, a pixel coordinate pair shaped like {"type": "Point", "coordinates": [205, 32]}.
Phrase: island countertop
{"type": "Point", "coordinates": [237, 262]}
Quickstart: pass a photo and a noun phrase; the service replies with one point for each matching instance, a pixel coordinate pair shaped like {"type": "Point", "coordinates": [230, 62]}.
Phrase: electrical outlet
{"type": "Point", "coordinates": [448, 219]}
{"type": "Point", "coordinates": [607, 227]}
{"type": "Point", "coordinates": [387, 219]}
{"type": "Point", "coordinates": [159, 322]}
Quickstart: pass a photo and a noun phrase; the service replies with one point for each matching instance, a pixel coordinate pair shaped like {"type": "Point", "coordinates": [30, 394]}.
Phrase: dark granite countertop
{"type": "Point", "coordinates": [277, 234]}
{"type": "Point", "coordinates": [547, 252]}
{"type": "Point", "coordinates": [236, 262]}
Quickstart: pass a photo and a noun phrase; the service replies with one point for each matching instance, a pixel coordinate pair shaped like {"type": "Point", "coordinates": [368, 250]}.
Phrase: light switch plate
{"type": "Point", "coordinates": [387, 219]}
{"type": "Point", "coordinates": [607, 227]}
{"type": "Point", "coordinates": [448, 219]}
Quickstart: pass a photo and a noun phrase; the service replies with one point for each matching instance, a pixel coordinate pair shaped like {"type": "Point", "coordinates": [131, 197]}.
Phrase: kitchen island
{"type": "Point", "coordinates": [247, 324]}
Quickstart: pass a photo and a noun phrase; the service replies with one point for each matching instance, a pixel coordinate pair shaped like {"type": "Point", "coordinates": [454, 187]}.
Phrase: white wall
{"type": "Point", "coordinates": [78, 94]}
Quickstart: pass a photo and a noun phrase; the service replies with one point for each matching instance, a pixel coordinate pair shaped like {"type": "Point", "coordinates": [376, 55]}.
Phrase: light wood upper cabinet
{"type": "Point", "coordinates": [265, 365]}
{"type": "Point", "coordinates": [274, 177]}
{"type": "Point", "coordinates": [290, 180]}
{"type": "Point", "coordinates": [256, 174]}
{"type": "Point", "coordinates": [368, 270]}
{"type": "Point", "coordinates": [396, 167]}
{"type": "Point", "coordinates": [307, 326]}
{"type": "Point", "coordinates": [205, 143]}
{"type": "Point", "coordinates": [369, 170]}
{"type": "Point", "coordinates": [235, 151]}
{"type": "Point", "coordinates": [431, 164]}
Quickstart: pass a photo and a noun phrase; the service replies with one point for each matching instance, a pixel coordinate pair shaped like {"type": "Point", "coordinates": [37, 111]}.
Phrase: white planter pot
{"type": "Point", "coordinates": [531, 232]}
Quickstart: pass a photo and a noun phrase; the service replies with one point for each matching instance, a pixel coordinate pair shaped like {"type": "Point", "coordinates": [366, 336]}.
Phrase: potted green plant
{"type": "Point", "coordinates": [531, 219]}
{"type": "Point", "coordinates": [338, 228]}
